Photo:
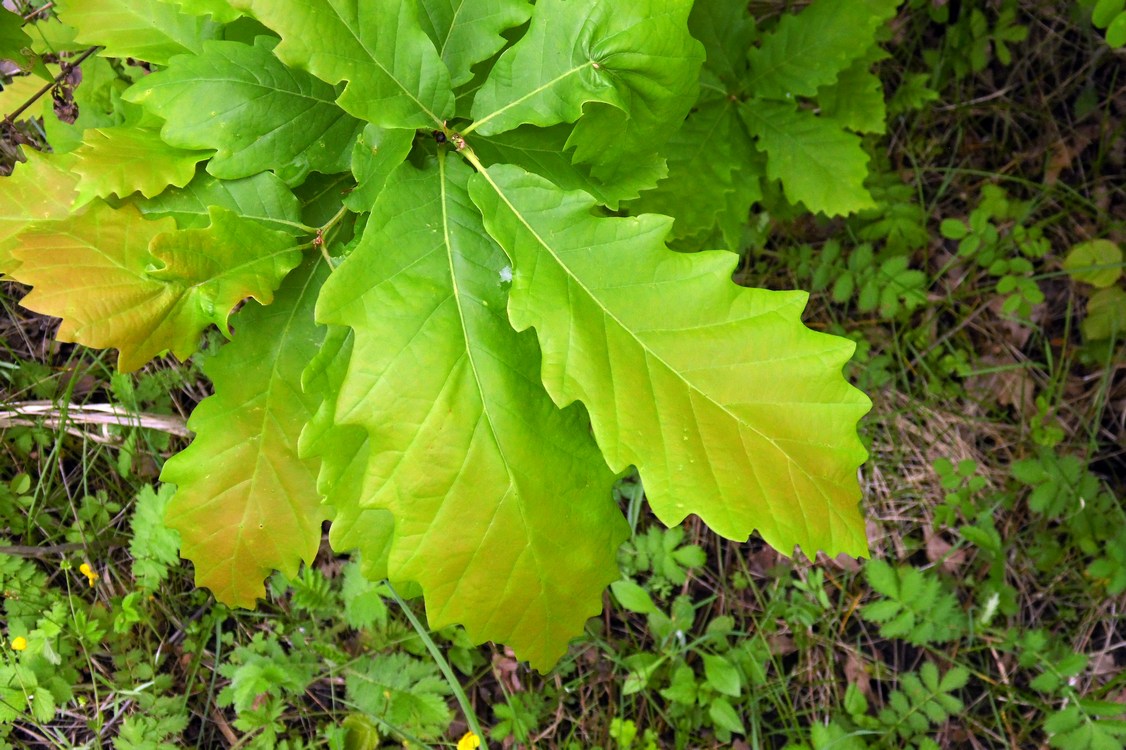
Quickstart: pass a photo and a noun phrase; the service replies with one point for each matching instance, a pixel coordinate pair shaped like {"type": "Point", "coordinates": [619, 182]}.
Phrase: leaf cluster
{"type": "Point", "coordinates": [401, 200]}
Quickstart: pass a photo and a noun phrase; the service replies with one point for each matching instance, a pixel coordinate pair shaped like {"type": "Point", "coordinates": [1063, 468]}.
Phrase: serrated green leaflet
{"type": "Point", "coordinates": [245, 503]}
{"type": "Point", "coordinates": [478, 467]}
{"type": "Point", "coordinates": [691, 395]}
{"type": "Point", "coordinates": [256, 113]}
{"type": "Point", "coordinates": [819, 164]}
{"type": "Point", "coordinates": [469, 31]}
{"type": "Point", "coordinates": [395, 77]}
{"type": "Point", "coordinates": [123, 160]}
{"type": "Point", "coordinates": [148, 30]}
{"type": "Point", "coordinates": [142, 287]}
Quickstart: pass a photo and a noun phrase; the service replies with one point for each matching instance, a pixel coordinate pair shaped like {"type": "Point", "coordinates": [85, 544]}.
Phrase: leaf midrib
{"type": "Point", "coordinates": [610, 314]}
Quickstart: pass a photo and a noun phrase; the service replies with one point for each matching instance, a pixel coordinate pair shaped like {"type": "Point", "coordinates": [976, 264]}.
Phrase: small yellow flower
{"type": "Point", "coordinates": [87, 571]}
{"type": "Point", "coordinates": [469, 741]}
{"type": "Point", "coordinates": [19, 643]}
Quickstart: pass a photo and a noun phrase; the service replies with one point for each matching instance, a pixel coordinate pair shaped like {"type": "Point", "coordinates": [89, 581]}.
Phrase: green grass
{"type": "Point", "coordinates": [993, 493]}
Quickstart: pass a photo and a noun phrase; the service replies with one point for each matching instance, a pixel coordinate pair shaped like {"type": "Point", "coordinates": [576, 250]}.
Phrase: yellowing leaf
{"type": "Point", "coordinates": [818, 163]}
{"type": "Point", "coordinates": [729, 407]}
{"type": "Point", "coordinates": [245, 502]}
{"type": "Point", "coordinates": [97, 273]}
{"type": "Point", "coordinates": [148, 30]}
{"type": "Point", "coordinates": [40, 190]}
{"type": "Point", "coordinates": [123, 160]}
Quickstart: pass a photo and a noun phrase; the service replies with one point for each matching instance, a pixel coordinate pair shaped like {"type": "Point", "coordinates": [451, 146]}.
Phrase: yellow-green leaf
{"type": "Point", "coordinates": [729, 407]}
{"type": "Point", "coordinates": [141, 286]}
{"type": "Point", "coordinates": [245, 503]}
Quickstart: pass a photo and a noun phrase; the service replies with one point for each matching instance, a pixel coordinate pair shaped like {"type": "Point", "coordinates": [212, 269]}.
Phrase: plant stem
{"type": "Point", "coordinates": [451, 678]}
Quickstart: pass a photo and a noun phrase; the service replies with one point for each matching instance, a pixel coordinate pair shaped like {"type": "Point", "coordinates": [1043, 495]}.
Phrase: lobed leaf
{"type": "Point", "coordinates": [501, 502]}
{"type": "Point", "coordinates": [395, 77]}
{"type": "Point", "coordinates": [41, 190]}
{"type": "Point", "coordinates": [636, 56]}
{"type": "Point", "coordinates": [729, 407]}
{"type": "Point", "coordinates": [706, 159]}
{"type": "Point", "coordinates": [97, 273]}
{"type": "Point", "coordinates": [255, 112]}
{"type": "Point", "coordinates": [810, 49]}
{"type": "Point", "coordinates": [856, 98]}
{"type": "Point", "coordinates": [149, 30]}
{"type": "Point", "coordinates": [245, 502]}
{"type": "Point", "coordinates": [467, 32]}
{"type": "Point", "coordinates": [219, 10]}
{"type": "Point", "coordinates": [375, 155]}
{"type": "Point", "coordinates": [263, 198]}
{"type": "Point", "coordinates": [726, 31]}
{"type": "Point", "coordinates": [818, 163]}
{"type": "Point", "coordinates": [123, 160]}
{"type": "Point", "coordinates": [343, 453]}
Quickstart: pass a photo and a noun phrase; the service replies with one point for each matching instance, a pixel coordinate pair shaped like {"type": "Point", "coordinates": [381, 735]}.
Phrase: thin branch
{"type": "Point", "coordinates": [30, 413]}
{"type": "Point", "coordinates": [63, 73]}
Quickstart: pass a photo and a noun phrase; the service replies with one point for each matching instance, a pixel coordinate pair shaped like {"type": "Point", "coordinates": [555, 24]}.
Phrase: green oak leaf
{"type": "Point", "coordinates": [375, 155]}
{"type": "Point", "coordinates": [126, 159]}
{"type": "Point", "coordinates": [705, 160]}
{"type": "Point", "coordinates": [395, 77]}
{"type": "Point", "coordinates": [343, 453]}
{"type": "Point", "coordinates": [501, 501]}
{"type": "Point", "coordinates": [819, 164]}
{"type": "Point", "coordinates": [219, 10]}
{"type": "Point", "coordinates": [856, 98]}
{"type": "Point", "coordinates": [726, 31]}
{"type": "Point", "coordinates": [143, 287]}
{"type": "Point", "coordinates": [810, 49]}
{"type": "Point", "coordinates": [148, 30]}
{"type": "Point", "coordinates": [656, 88]}
{"type": "Point", "coordinates": [42, 190]}
{"type": "Point", "coordinates": [245, 502]}
{"type": "Point", "coordinates": [618, 53]}
{"type": "Point", "coordinates": [467, 32]}
{"type": "Point", "coordinates": [263, 198]}
{"type": "Point", "coordinates": [14, 41]}
{"type": "Point", "coordinates": [729, 407]}
{"type": "Point", "coordinates": [255, 112]}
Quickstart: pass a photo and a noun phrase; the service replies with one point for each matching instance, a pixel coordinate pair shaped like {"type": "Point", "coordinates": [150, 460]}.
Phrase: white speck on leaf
{"type": "Point", "coordinates": [506, 274]}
